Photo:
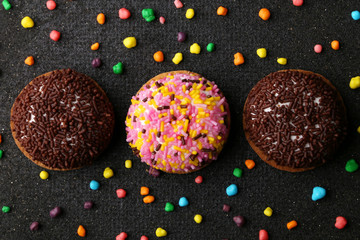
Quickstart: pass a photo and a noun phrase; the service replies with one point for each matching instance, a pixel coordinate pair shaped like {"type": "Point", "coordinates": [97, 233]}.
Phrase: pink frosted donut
{"type": "Point", "coordinates": [178, 122]}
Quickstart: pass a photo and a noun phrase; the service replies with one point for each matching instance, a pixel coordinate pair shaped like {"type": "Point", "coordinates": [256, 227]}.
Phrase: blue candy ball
{"type": "Point", "coordinates": [231, 190]}
{"type": "Point", "coordinates": [94, 185]}
{"type": "Point", "coordinates": [318, 193]}
{"type": "Point", "coordinates": [355, 15]}
{"type": "Point", "coordinates": [183, 202]}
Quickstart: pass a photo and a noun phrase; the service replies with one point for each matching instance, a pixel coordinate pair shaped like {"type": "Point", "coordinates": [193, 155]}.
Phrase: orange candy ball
{"type": "Point", "coordinates": [264, 14]}
{"type": "Point", "coordinates": [159, 56]}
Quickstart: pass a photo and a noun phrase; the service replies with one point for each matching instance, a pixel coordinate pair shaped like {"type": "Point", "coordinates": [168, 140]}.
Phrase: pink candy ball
{"type": "Point", "coordinates": [124, 13]}
{"type": "Point", "coordinates": [178, 4]}
{"type": "Point", "coordinates": [340, 222]}
{"type": "Point", "coordinates": [144, 238]}
{"type": "Point", "coordinates": [122, 236]}
{"type": "Point", "coordinates": [298, 3]}
{"type": "Point", "coordinates": [55, 35]}
{"type": "Point", "coordinates": [121, 193]}
{"type": "Point", "coordinates": [51, 5]}
{"type": "Point", "coordinates": [162, 20]}
{"type": "Point", "coordinates": [318, 48]}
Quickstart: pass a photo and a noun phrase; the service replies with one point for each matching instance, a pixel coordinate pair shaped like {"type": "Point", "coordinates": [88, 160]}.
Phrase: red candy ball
{"type": "Point", "coordinates": [340, 222]}
{"type": "Point", "coordinates": [55, 35]}
{"type": "Point", "coordinates": [121, 193]}
{"type": "Point", "coordinates": [124, 13]}
{"type": "Point", "coordinates": [199, 179]}
{"type": "Point", "coordinates": [122, 236]}
{"type": "Point", "coordinates": [51, 5]}
{"type": "Point", "coordinates": [263, 235]}
{"type": "Point", "coordinates": [144, 238]}
{"type": "Point", "coordinates": [298, 3]}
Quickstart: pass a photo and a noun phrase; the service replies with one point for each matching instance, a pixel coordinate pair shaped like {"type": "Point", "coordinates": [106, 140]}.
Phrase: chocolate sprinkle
{"type": "Point", "coordinates": [63, 119]}
{"type": "Point", "coordinates": [295, 118]}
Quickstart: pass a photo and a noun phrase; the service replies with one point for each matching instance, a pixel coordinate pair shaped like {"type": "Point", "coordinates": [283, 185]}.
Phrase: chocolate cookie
{"type": "Point", "coordinates": [178, 122]}
{"type": "Point", "coordinates": [294, 120]}
{"type": "Point", "coordinates": [62, 120]}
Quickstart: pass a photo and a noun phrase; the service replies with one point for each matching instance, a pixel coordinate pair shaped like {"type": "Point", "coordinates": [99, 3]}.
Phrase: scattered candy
{"type": "Point", "coordinates": [96, 62]}
{"type": "Point", "coordinates": [298, 3]}
{"type": "Point", "coordinates": [237, 172]}
{"type": "Point", "coordinates": [149, 199]}
{"type": "Point", "coordinates": [198, 218]}
{"type": "Point", "coordinates": [318, 48]}
{"type": "Point", "coordinates": [238, 59]}
{"type": "Point", "coordinates": [121, 193]}
{"type": "Point", "coordinates": [44, 175]}
{"type": "Point", "coordinates": [318, 193]}
{"type": "Point", "coordinates": [210, 47]}
{"type": "Point", "coordinates": [199, 179]}
{"type": "Point", "coordinates": [81, 231]}
{"type": "Point", "coordinates": [154, 172]}
{"type": "Point", "coordinates": [183, 202]}
{"type": "Point", "coordinates": [340, 222]}
{"type": "Point", "coordinates": [95, 46]}
{"type": "Point", "coordinates": [177, 58]}
{"type": "Point", "coordinates": [268, 211]}
{"type": "Point", "coordinates": [231, 190]}
{"type": "Point", "coordinates": [250, 164]}
{"type": "Point", "coordinates": [335, 45]}
{"type": "Point", "coordinates": [181, 37]}
{"type": "Point", "coordinates": [282, 61]}
{"type": "Point", "coordinates": [226, 208]}
{"type": "Point", "coordinates": [55, 35]}
{"type": "Point", "coordinates": [5, 209]}
{"type": "Point", "coordinates": [122, 236]}
{"type": "Point", "coordinates": [118, 68]}
{"type": "Point", "coordinates": [178, 4]}
{"type": "Point", "coordinates": [169, 207]}
{"type": "Point", "coordinates": [144, 238]}
{"type": "Point", "coordinates": [162, 20]}
{"type": "Point", "coordinates": [263, 235]}
{"type": "Point", "coordinates": [291, 225]}
{"type": "Point", "coordinates": [1, 153]}
{"type": "Point", "coordinates": [88, 204]}
{"type": "Point", "coordinates": [144, 191]}
{"type": "Point", "coordinates": [190, 13]}
{"type": "Point", "coordinates": [261, 52]}
{"type": "Point", "coordinates": [159, 56]}
{"type": "Point", "coordinates": [351, 166]}
{"type": "Point", "coordinates": [55, 212]}
{"type": "Point", "coordinates": [94, 185]}
{"type": "Point", "coordinates": [128, 164]}
{"type": "Point", "coordinates": [355, 15]}
{"type": "Point", "coordinates": [6, 5]}
{"type": "Point", "coordinates": [100, 18]}
{"type": "Point", "coordinates": [51, 5]}
{"type": "Point", "coordinates": [355, 82]}
{"type": "Point", "coordinates": [27, 22]}
{"type": "Point", "coordinates": [222, 11]}
{"type": "Point", "coordinates": [195, 48]}
{"type": "Point", "coordinates": [239, 220]}
{"type": "Point", "coordinates": [160, 232]}
{"type": "Point", "coordinates": [264, 14]}
{"type": "Point", "coordinates": [124, 13]}
{"type": "Point", "coordinates": [34, 226]}
{"type": "Point", "coordinates": [129, 42]}
{"type": "Point", "coordinates": [148, 14]}
{"type": "Point", "coordinates": [29, 60]}
{"type": "Point", "coordinates": [108, 173]}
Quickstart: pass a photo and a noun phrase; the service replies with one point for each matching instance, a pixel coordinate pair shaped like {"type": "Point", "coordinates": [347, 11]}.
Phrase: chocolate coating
{"type": "Point", "coordinates": [62, 120]}
{"type": "Point", "coordinates": [295, 120]}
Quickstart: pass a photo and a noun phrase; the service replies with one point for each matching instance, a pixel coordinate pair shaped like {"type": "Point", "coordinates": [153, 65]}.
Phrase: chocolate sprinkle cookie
{"type": "Point", "coordinates": [62, 120]}
{"type": "Point", "coordinates": [294, 120]}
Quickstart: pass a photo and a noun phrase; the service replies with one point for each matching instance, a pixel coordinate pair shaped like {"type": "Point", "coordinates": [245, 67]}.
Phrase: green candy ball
{"type": "Point", "coordinates": [210, 47]}
{"type": "Point", "coordinates": [118, 68]}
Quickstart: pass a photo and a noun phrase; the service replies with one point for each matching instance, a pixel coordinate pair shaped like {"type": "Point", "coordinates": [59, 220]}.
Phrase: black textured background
{"type": "Point", "coordinates": [291, 32]}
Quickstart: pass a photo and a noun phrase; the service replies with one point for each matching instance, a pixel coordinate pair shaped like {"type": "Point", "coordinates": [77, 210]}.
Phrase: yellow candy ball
{"type": "Point", "coordinates": [128, 164]}
{"type": "Point", "coordinates": [261, 52]}
{"type": "Point", "coordinates": [268, 211]}
{"type": "Point", "coordinates": [282, 61]}
{"type": "Point", "coordinates": [160, 232]}
{"type": "Point", "coordinates": [355, 82]}
{"type": "Point", "coordinates": [177, 58]}
{"type": "Point", "coordinates": [27, 22]}
{"type": "Point", "coordinates": [108, 173]}
{"type": "Point", "coordinates": [129, 42]}
{"type": "Point", "coordinates": [195, 48]}
{"type": "Point", "coordinates": [198, 218]}
{"type": "Point", "coordinates": [44, 175]}
{"type": "Point", "coordinates": [358, 129]}
{"type": "Point", "coordinates": [190, 13]}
